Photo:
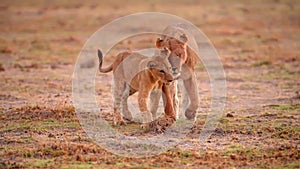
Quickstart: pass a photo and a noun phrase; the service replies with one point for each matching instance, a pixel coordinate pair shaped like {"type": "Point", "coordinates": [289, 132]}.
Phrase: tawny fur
{"type": "Point", "coordinates": [134, 72]}
{"type": "Point", "coordinates": [179, 48]}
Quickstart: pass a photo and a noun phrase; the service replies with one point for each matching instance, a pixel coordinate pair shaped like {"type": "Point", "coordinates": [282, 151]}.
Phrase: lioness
{"type": "Point", "coordinates": [134, 72]}
{"type": "Point", "coordinates": [183, 60]}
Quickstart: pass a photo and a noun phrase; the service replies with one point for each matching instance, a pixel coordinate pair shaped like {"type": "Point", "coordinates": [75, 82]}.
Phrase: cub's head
{"type": "Point", "coordinates": [160, 66]}
{"type": "Point", "coordinates": [178, 48]}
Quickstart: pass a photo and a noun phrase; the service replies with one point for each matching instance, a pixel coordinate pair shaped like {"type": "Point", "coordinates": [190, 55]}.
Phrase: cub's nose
{"type": "Point", "coordinates": [176, 75]}
{"type": "Point", "coordinates": [174, 69]}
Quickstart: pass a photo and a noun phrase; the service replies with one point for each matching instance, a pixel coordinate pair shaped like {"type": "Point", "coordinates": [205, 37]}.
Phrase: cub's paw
{"type": "Point", "coordinates": [118, 121]}
{"type": "Point", "coordinates": [127, 121]}
{"type": "Point", "coordinates": [146, 117]}
{"type": "Point", "coordinates": [145, 126]}
{"type": "Point", "coordinates": [127, 116]}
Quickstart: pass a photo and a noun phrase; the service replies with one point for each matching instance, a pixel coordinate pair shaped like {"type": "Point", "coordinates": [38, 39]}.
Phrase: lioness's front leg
{"type": "Point", "coordinates": [192, 92]}
{"type": "Point", "coordinates": [184, 99]}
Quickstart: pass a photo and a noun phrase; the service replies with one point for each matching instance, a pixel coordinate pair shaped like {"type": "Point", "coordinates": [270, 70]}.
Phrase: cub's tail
{"type": "Point", "coordinates": [106, 69]}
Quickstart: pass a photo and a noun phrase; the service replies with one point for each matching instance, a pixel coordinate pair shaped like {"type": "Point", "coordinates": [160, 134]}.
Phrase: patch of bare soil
{"type": "Point", "coordinates": [258, 43]}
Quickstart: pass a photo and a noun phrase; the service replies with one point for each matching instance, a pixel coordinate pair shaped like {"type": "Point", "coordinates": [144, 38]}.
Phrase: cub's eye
{"type": "Point", "coordinates": [162, 71]}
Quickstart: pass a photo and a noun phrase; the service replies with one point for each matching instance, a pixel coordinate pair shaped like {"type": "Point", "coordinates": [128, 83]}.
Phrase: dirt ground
{"type": "Point", "coordinates": [258, 43]}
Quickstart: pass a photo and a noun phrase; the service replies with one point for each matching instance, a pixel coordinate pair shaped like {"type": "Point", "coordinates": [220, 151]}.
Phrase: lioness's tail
{"type": "Point", "coordinates": [103, 70]}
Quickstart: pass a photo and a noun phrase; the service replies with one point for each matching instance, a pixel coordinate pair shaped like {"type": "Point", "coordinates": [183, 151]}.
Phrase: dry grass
{"type": "Point", "coordinates": [258, 42]}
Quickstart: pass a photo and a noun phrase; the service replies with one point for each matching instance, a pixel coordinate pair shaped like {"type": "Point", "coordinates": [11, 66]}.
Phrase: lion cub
{"type": "Point", "coordinates": [134, 72]}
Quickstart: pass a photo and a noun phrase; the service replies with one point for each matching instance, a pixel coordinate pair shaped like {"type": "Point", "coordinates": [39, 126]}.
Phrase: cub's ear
{"type": "Point", "coordinates": [151, 64]}
{"type": "Point", "coordinates": [183, 38]}
{"type": "Point", "coordinates": [159, 43]}
{"type": "Point", "coordinates": [165, 52]}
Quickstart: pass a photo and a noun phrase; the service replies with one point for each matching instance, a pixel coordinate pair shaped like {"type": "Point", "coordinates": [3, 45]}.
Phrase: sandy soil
{"type": "Point", "coordinates": [258, 43]}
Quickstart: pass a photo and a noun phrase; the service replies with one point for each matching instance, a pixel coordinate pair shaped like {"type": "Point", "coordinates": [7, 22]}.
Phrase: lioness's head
{"type": "Point", "coordinates": [160, 66]}
{"type": "Point", "coordinates": [178, 48]}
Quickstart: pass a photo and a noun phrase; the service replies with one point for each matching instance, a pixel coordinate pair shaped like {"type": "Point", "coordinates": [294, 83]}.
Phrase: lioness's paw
{"type": "Point", "coordinates": [190, 115]}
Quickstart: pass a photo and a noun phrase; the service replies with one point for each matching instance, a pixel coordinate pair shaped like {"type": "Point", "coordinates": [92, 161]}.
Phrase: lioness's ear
{"type": "Point", "coordinates": [159, 43]}
{"type": "Point", "coordinates": [151, 64]}
{"type": "Point", "coordinates": [183, 38]}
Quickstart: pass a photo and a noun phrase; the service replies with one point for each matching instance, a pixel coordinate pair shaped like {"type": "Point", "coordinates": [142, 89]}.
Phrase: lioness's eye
{"type": "Point", "coordinates": [162, 71]}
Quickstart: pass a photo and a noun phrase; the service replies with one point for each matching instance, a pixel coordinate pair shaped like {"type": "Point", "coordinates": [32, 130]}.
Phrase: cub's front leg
{"type": "Point", "coordinates": [154, 101]}
{"type": "Point", "coordinates": [125, 111]}
{"type": "Point", "coordinates": [118, 90]}
{"type": "Point", "coordinates": [143, 98]}
{"type": "Point", "coordinates": [162, 123]}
